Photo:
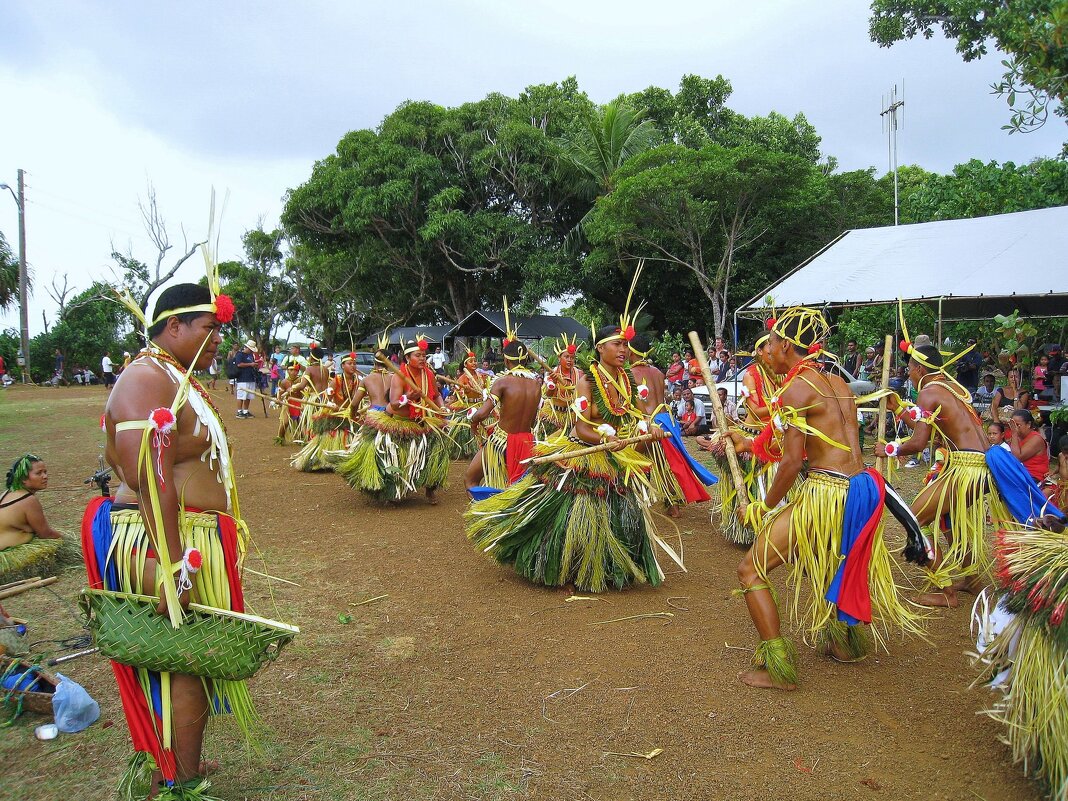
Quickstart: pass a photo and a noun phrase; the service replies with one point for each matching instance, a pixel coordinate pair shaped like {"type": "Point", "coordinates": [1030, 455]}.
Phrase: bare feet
{"type": "Point", "coordinates": [839, 653]}
{"type": "Point", "coordinates": [946, 599]}
{"type": "Point", "coordinates": [432, 497]}
{"type": "Point", "coordinates": [208, 767]}
{"type": "Point", "coordinates": [674, 511]}
{"type": "Point", "coordinates": [762, 680]}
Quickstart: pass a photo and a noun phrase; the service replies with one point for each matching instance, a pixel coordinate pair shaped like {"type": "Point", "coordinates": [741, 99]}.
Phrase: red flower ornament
{"type": "Point", "coordinates": [224, 308]}
{"type": "Point", "coordinates": [769, 323]}
{"type": "Point", "coordinates": [571, 349]}
{"type": "Point", "coordinates": [193, 560]}
{"type": "Point", "coordinates": [423, 344]}
{"type": "Point", "coordinates": [629, 333]}
{"type": "Point", "coordinates": [581, 404]}
{"type": "Point", "coordinates": [904, 346]}
{"type": "Point", "coordinates": [162, 420]}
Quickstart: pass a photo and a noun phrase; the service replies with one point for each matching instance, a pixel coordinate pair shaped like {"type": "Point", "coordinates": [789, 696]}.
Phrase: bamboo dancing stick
{"type": "Point", "coordinates": [19, 583]}
{"type": "Point", "coordinates": [721, 423]}
{"type": "Point", "coordinates": [30, 585]}
{"type": "Point", "coordinates": [604, 446]}
{"type": "Point", "coordinates": [303, 402]}
{"type": "Point", "coordinates": [888, 353]}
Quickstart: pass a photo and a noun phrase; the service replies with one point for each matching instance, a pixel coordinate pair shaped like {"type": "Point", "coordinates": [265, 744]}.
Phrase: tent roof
{"type": "Point", "coordinates": [434, 334]}
{"type": "Point", "coordinates": [980, 267]}
{"type": "Point", "coordinates": [539, 326]}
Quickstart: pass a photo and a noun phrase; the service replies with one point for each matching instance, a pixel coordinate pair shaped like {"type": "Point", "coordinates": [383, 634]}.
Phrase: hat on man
{"type": "Point", "coordinates": [251, 345]}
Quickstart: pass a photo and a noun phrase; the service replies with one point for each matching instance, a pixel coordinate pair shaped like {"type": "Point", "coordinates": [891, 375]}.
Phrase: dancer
{"type": "Point", "coordinates": [677, 477]}
{"type": "Point", "coordinates": [584, 519]}
{"type": "Point", "coordinates": [471, 390]}
{"type": "Point", "coordinates": [168, 448]}
{"type": "Point", "coordinates": [332, 421]}
{"type": "Point", "coordinates": [559, 388]}
{"type": "Point", "coordinates": [515, 396]}
{"type": "Point", "coordinates": [290, 405]}
{"type": "Point", "coordinates": [402, 447]}
{"type": "Point", "coordinates": [975, 476]}
{"type": "Point", "coordinates": [836, 513]}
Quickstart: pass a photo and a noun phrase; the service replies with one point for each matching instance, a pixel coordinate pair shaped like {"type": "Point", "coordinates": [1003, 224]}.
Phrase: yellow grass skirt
{"type": "Point", "coordinates": [392, 456]}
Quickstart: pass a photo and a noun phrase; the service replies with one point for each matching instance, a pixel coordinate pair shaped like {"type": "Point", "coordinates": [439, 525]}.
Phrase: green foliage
{"type": "Point", "coordinates": [264, 295]}
{"type": "Point", "coordinates": [1033, 32]}
{"type": "Point", "coordinates": [1015, 332]}
{"type": "Point", "coordinates": [666, 344]}
{"type": "Point", "coordinates": [9, 275]}
{"type": "Point", "coordinates": [976, 189]}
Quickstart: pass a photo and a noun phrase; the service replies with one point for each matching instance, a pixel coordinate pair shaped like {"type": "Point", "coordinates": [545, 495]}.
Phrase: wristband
{"type": "Point", "coordinates": [191, 562]}
{"type": "Point", "coordinates": [893, 448]}
{"type": "Point", "coordinates": [606, 430]}
{"type": "Point", "coordinates": [403, 400]}
{"type": "Point", "coordinates": [643, 427]}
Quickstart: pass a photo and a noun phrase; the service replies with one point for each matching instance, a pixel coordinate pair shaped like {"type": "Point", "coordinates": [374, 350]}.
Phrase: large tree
{"type": "Point", "coordinates": [9, 275]}
{"type": "Point", "coordinates": [264, 294]}
{"type": "Point", "coordinates": [700, 214]}
{"type": "Point", "coordinates": [1034, 34]}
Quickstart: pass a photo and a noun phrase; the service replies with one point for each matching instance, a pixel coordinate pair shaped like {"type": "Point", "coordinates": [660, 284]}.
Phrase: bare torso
{"type": "Point", "coordinates": [958, 422]}
{"type": "Point", "coordinates": [830, 408]}
{"type": "Point", "coordinates": [15, 528]}
{"type": "Point", "coordinates": [195, 480]}
{"type": "Point", "coordinates": [376, 385]}
{"type": "Point", "coordinates": [654, 380]}
{"type": "Point", "coordinates": [519, 399]}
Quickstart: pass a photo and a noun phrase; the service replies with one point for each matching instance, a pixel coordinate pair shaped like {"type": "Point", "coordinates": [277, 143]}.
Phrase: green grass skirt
{"type": "Point", "coordinates": [393, 456]}
{"type": "Point", "coordinates": [583, 521]}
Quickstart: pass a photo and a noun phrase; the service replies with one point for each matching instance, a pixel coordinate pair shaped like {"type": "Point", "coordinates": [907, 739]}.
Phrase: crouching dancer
{"type": "Point", "coordinates": [831, 533]}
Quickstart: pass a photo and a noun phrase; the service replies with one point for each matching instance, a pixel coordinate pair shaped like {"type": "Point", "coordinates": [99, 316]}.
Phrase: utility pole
{"type": "Point", "coordinates": [24, 294]}
{"type": "Point", "coordinates": [890, 125]}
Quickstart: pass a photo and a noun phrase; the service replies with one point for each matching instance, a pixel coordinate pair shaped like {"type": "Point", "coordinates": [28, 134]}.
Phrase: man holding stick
{"type": "Point", "coordinates": [831, 532]}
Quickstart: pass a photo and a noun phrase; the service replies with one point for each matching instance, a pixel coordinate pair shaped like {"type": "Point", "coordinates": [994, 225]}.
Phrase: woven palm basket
{"type": "Point", "coordinates": [212, 643]}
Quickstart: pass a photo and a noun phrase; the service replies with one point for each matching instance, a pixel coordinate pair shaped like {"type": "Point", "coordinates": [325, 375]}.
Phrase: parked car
{"type": "Point", "coordinates": [734, 387]}
{"type": "Point", "coordinates": [365, 361]}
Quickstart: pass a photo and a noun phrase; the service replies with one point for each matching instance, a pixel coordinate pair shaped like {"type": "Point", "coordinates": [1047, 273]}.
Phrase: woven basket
{"type": "Point", "coordinates": [212, 643]}
{"type": "Point", "coordinates": [39, 702]}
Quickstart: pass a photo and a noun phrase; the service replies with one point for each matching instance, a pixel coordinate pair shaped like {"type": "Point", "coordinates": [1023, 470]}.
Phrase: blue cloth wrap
{"type": "Point", "coordinates": [1018, 489]}
{"type": "Point", "coordinates": [667, 422]}
{"type": "Point", "coordinates": [862, 504]}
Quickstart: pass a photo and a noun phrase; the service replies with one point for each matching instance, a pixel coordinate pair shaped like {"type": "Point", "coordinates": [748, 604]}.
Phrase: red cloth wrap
{"type": "Point", "coordinates": [519, 447]}
{"type": "Point", "coordinates": [692, 489]}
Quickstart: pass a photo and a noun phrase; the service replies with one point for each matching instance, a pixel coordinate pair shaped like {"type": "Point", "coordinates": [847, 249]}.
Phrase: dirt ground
{"type": "Point", "coordinates": [465, 682]}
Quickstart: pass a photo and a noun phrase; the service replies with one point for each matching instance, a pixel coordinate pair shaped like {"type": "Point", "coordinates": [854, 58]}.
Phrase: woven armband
{"type": "Point", "coordinates": [893, 448]}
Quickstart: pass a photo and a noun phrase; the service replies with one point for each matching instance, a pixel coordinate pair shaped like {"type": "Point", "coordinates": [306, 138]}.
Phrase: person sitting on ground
{"type": "Point", "coordinates": [21, 515]}
{"type": "Point", "coordinates": [699, 426]}
{"type": "Point", "coordinates": [1055, 487]}
{"type": "Point", "coordinates": [689, 416]}
{"type": "Point", "coordinates": [730, 408]}
{"type": "Point", "coordinates": [676, 370]}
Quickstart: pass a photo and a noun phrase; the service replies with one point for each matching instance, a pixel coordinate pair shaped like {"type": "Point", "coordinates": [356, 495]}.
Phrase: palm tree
{"type": "Point", "coordinates": [9, 276]}
{"type": "Point", "coordinates": [595, 152]}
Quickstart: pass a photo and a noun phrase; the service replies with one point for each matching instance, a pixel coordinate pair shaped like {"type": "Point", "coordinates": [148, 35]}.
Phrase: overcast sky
{"type": "Point", "coordinates": [99, 99]}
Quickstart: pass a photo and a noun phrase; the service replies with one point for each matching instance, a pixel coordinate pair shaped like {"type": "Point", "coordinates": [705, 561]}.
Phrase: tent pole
{"type": "Point", "coordinates": [940, 299]}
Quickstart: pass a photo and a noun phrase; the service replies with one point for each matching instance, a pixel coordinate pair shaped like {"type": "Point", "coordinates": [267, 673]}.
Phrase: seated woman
{"type": "Point", "coordinates": [1005, 398]}
{"type": "Point", "coordinates": [1027, 445]}
{"type": "Point", "coordinates": [21, 514]}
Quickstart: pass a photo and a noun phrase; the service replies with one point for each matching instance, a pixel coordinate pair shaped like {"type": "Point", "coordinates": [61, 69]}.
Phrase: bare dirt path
{"type": "Point", "coordinates": [466, 682]}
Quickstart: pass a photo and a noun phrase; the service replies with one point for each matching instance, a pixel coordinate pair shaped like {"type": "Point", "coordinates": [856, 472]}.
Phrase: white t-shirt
{"type": "Point", "coordinates": [437, 360]}
{"type": "Point", "coordinates": [107, 364]}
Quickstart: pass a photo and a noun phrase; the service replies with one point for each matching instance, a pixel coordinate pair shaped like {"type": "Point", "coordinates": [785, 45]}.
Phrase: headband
{"type": "Point", "coordinates": [811, 328]}
{"type": "Point", "coordinates": [20, 470]}
{"type": "Point", "coordinates": [419, 343]}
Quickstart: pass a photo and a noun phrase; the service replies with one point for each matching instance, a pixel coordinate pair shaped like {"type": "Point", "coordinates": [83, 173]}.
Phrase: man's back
{"type": "Point", "coordinates": [520, 398]}
{"type": "Point", "coordinates": [956, 420]}
{"type": "Point", "coordinates": [829, 407]}
{"type": "Point", "coordinates": [654, 380]}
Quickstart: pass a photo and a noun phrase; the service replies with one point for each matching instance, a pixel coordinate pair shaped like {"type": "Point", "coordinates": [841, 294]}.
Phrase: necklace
{"type": "Point", "coordinates": [621, 386]}
{"type": "Point", "coordinates": [159, 353]}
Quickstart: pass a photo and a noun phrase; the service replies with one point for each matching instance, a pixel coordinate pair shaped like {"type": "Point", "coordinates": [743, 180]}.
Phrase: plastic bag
{"type": "Point", "coordinates": [72, 707]}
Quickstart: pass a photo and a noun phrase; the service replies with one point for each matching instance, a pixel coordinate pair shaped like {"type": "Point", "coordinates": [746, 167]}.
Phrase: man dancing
{"type": "Point", "coordinates": [831, 533]}
{"type": "Point", "coordinates": [677, 477]}
{"type": "Point", "coordinates": [168, 448]}
{"type": "Point", "coordinates": [975, 476]}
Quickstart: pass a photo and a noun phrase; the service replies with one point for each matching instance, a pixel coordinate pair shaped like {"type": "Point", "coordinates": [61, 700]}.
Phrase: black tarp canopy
{"type": "Point", "coordinates": [539, 326]}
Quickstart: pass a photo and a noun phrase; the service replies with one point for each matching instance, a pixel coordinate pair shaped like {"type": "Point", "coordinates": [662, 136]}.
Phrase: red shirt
{"type": "Point", "coordinates": [1037, 465]}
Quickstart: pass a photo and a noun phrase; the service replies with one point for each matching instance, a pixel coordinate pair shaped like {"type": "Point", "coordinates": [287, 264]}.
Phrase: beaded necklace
{"type": "Point", "coordinates": [159, 353]}
{"type": "Point", "coordinates": [622, 387]}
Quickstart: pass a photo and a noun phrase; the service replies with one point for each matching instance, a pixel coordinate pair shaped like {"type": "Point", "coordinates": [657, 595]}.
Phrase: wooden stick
{"type": "Point", "coordinates": [888, 353]}
{"type": "Point", "coordinates": [33, 585]}
{"type": "Point", "coordinates": [18, 583]}
{"type": "Point", "coordinates": [721, 422]}
{"type": "Point", "coordinates": [604, 446]}
{"type": "Point", "coordinates": [303, 402]}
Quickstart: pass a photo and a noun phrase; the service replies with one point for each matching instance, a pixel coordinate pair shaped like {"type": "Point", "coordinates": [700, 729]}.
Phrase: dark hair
{"type": "Point", "coordinates": [515, 350]}
{"type": "Point", "coordinates": [177, 297]}
{"type": "Point", "coordinates": [317, 352]}
{"type": "Point", "coordinates": [16, 476]}
{"type": "Point", "coordinates": [604, 332]}
{"type": "Point", "coordinates": [640, 343]}
{"type": "Point", "coordinates": [930, 353]}
{"type": "Point", "coordinates": [1024, 414]}
{"type": "Point", "coordinates": [1062, 444]}
{"type": "Point", "coordinates": [998, 423]}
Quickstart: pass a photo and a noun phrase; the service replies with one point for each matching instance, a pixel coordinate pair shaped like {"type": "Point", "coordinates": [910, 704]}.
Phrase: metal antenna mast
{"type": "Point", "coordinates": [893, 114]}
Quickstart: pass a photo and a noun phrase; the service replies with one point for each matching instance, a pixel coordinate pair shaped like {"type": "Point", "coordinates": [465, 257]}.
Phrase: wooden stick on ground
{"type": "Point", "coordinates": [604, 446]}
{"type": "Point", "coordinates": [721, 422]}
{"type": "Point", "coordinates": [31, 585]}
{"type": "Point", "coordinates": [888, 353]}
{"type": "Point", "coordinates": [18, 583]}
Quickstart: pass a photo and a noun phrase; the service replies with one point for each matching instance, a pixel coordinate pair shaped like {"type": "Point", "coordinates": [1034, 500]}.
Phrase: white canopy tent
{"type": "Point", "coordinates": [971, 269]}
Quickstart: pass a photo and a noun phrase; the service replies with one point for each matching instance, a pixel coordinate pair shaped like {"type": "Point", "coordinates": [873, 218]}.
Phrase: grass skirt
{"type": "Point", "coordinates": [494, 460]}
{"type": "Point", "coordinates": [393, 456]}
{"type": "Point", "coordinates": [758, 477]}
{"type": "Point", "coordinates": [816, 515]}
{"type": "Point", "coordinates": [320, 453]}
{"type": "Point", "coordinates": [553, 417]}
{"type": "Point", "coordinates": [116, 553]}
{"type": "Point", "coordinates": [583, 521]}
{"type": "Point", "coordinates": [1032, 570]}
{"type": "Point", "coordinates": [462, 442]}
{"type": "Point", "coordinates": [30, 554]}
{"type": "Point", "coordinates": [973, 490]}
